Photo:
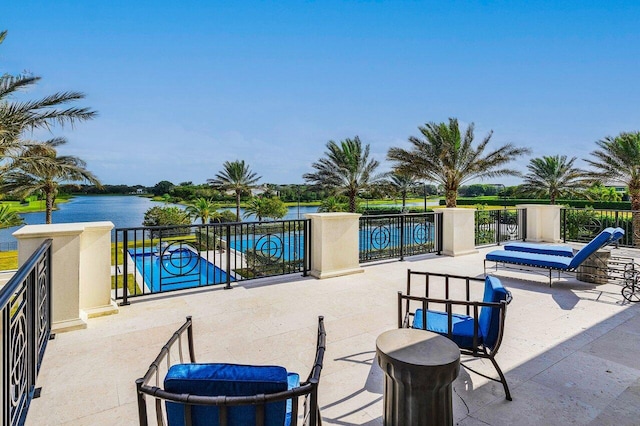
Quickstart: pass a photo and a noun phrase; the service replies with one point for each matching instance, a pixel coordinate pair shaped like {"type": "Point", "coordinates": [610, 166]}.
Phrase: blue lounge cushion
{"type": "Point", "coordinates": [530, 259]}
{"type": "Point", "coordinates": [616, 235]}
{"type": "Point", "coordinates": [598, 242]}
{"type": "Point", "coordinates": [553, 250]}
{"type": "Point", "coordinates": [462, 326]}
{"type": "Point", "coordinates": [226, 380]}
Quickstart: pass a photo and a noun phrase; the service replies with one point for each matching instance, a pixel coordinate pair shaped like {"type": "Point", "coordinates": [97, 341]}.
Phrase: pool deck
{"type": "Point", "coordinates": [570, 352]}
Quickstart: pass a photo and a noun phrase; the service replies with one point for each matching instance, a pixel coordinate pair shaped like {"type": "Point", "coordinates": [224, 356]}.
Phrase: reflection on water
{"type": "Point", "coordinates": [128, 212]}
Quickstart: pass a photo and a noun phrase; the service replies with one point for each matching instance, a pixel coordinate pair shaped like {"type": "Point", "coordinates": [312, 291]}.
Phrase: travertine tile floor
{"type": "Point", "coordinates": [571, 353]}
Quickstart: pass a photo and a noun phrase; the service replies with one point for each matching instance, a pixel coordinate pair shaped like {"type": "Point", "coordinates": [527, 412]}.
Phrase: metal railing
{"type": "Point", "coordinates": [497, 226]}
{"type": "Point", "coordinates": [153, 260]}
{"type": "Point", "coordinates": [397, 236]}
{"type": "Point", "coordinates": [581, 225]}
{"type": "Point", "coordinates": [25, 305]}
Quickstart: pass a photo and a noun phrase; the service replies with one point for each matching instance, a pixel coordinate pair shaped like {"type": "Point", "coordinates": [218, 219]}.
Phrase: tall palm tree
{"type": "Point", "coordinates": [401, 184]}
{"type": "Point", "coordinates": [446, 156]}
{"type": "Point", "coordinates": [235, 176]}
{"type": "Point", "coordinates": [554, 176]}
{"type": "Point", "coordinates": [203, 208]}
{"type": "Point", "coordinates": [17, 117]}
{"type": "Point", "coordinates": [345, 169]}
{"type": "Point", "coordinates": [618, 160]}
{"type": "Point", "coordinates": [39, 168]}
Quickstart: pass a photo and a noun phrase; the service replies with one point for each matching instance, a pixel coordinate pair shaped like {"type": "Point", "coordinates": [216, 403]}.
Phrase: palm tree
{"type": "Point", "coordinates": [16, 117]}
{"type": "Point", "coordinates": [235, 176]}
{"type": "Point", "coordinates": [39, 168]}
{"type": "Point", "coordinates": [554, 176]}
{"type": "Point", "coordinates": [618, 159]}
{"type": "Point", "coordinates": [203, 208]}
{"type": "Point", "coordinates": [446, 156]}
{"type": "Point", "coordinates": [345, 169]}
{"type": "Point", "coordinates": [401, 184]}
{"type": "Point", "coordinates": [9, 218]}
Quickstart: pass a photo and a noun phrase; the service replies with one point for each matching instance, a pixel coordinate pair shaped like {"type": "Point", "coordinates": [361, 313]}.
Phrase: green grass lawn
{"type": "Point", "coordinates": [8, 260]}
{"type": "Point", "coordinates": [31, 206]}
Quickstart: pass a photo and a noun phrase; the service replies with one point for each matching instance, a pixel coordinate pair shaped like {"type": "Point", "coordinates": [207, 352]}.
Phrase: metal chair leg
{"type": "Point", "coordinates": [503, 380]}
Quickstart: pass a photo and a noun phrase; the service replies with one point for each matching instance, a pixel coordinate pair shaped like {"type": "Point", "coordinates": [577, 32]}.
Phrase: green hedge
{"type": "Point", "coordinates": [609, 205]}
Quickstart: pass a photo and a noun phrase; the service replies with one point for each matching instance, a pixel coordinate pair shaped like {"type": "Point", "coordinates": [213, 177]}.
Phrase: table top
{"type": "Point", "coordinates": [419, 348]}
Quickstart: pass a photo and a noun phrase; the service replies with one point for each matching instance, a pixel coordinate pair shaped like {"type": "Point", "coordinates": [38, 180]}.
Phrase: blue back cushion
{"type": "Point", "coordinates": [617, 234]}
{"type": "Point", "coordinates": [226, 380]}
{"type": "Point", "coordinates": [489, 318]}
{"type": "Point", "coordinates": [599, 241]}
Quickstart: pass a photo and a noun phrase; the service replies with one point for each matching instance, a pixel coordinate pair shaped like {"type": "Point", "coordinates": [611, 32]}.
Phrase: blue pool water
{"type": "Point", "coordinates": [272, 245]}
{"type": "Point", "coordinates": [175, 269]}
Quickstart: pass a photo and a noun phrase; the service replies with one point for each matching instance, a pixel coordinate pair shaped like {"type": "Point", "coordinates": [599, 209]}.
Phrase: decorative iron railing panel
{"type": "Point", "coordinates": [396, 236]}
{"type": "Point", "coordinates": [153, 260]}
{"type": "Point", "coordinates": [581, 225]}
{"type": "Point", "coordinates": [500, 225]}
{"type": "Point", "coordinates": [25, 306]}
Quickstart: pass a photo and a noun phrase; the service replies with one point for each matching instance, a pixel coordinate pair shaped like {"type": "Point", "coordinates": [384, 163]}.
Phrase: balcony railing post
{"type": "Point", "coordinates": [125, 268]}
{"type": "Point", "coordinates": [523, 223]}
{"type": "Point", "coordinates": [228, 253]}
{"type": "Point", "coordinates": [564, 225]}
{"type": "Point", "coordinates": [439, 232]}
{"type": "Point", "coordinates": [402, 237]}
{"type": "Point", "coordinates": [498, 228]}
{"type": "Point", "coordinates": [305, 247]}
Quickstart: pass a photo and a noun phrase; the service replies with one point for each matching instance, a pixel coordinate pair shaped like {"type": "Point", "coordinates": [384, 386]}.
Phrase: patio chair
{"type": "Point", "coordinates": [559, 250]}
{"type": "Point", "coordinates": [476, 326]}
{"type": "Point", "coordinates": [551, 262]}
{"type": "Point", "coordinates": [227, 394]}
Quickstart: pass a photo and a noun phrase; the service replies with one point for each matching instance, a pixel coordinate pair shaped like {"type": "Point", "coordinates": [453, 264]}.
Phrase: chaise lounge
{"type": "Point", "coordinates": [537, 255]}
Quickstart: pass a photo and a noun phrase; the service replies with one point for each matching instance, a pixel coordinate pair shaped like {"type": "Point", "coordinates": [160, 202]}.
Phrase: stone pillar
{"type": "Point", "coordinates": [334, 244]}
{"type": "Point", "coordinates": [458, 231]}
{"type": "Point", "coordinates": [81, 269]}
{"type": "Point", "coordinates": [543, 222]}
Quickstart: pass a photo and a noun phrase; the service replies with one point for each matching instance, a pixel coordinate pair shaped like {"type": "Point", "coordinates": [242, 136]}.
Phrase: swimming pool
{"type": "Point", "coordinates": [175, 269]}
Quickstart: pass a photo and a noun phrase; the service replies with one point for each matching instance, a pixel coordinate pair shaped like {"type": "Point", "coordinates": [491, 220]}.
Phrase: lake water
{"type": "Point", "coordinates": [124, 211]}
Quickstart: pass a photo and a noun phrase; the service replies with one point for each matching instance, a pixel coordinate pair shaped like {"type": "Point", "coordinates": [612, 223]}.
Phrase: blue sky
{"type": "Point", "coordinates": [181, 87]}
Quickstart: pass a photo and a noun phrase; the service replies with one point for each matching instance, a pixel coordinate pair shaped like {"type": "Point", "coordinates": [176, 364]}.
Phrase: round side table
{"type": "Point", "coordinates": [419, 367]}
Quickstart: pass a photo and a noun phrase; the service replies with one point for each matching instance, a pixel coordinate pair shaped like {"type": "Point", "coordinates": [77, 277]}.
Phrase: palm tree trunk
{"type": "Point", "coordinates": [352, 202]}
{"type": "Point", "coordinates": [238, 206]}
{"type": "Point", "coordinates": [451, 196]}
{"type": "Point", "coordinates": [635, 216]}
{"type": "Point", "coordinates": [48, 206]}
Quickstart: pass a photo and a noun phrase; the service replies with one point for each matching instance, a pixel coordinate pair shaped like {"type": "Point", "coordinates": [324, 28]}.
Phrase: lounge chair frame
{"type": "Point", "coordinates": [149, 385]}
{"type": "Point", "coordinates": [405, 316]}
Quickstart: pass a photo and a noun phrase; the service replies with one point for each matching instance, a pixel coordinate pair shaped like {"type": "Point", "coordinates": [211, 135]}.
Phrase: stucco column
{"type": "Point", "coordinates": [334, 244]}
{"type": "Point", "coordinates": [458, 231]}
{"type": "Point", "coordinates": [543, 222]}
{"type": "Point", "coordinates": [81, 269]}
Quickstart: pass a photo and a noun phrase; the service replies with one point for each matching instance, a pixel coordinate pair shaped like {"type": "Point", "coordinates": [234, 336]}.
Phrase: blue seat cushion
{"type": "Point", "coordinates": [616, 235]}
{"type": "Point", "coordinates": [540, 249]}
{"type": "Point", "coordinates": [226, 380]}
{"type": "Point", "coordinates": [530, 259]}
{"type": "Point", "coordinates": [461, 325]}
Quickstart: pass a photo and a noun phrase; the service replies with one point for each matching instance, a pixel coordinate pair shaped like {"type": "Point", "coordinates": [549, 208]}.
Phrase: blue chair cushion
{"type": "Point", "coordinates": [530, 259]}
{"type": "Point", "coordinates": [461, 325]}
{"type": "Point", "coordinates": [489, 318]}
{"type": "Point", "coordinates": [540, 249]}
{"type": "Point", "coordinates": [293, 381]}
{"type": "Point", "coordinates": [226, 380]}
